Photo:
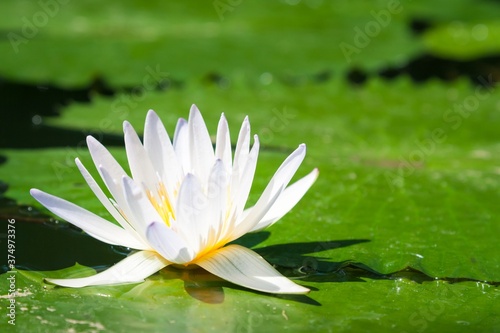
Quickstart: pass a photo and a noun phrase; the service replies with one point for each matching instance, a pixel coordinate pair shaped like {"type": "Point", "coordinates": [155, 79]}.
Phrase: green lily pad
{"type": "Point", "coordinates": [125, 43]}
{"type": "Point", "coordinates": [402, 181]}
{"type": "Point", "coordinates": [387, 118]}
{"type": "Point", "coordinates": [400, 230]}
{"type": "Point", "coordinates": [366, 210]}
{"type": "Point", "coordinates": [464, 40]}
{"type": "Point", "coordinates": [196, 301]}
{"type": "Point", "coordinates": [73, 44]}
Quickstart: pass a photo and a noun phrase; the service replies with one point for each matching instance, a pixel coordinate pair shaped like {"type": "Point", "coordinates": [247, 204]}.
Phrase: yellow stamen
{"type": "Point", "coordinates": [163, 206]}
{"type": "Point", "coordinates": [209, 249]}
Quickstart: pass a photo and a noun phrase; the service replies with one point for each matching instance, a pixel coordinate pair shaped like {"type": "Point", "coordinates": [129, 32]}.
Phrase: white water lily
{"type": "Point", "coordinates": [184, 203]}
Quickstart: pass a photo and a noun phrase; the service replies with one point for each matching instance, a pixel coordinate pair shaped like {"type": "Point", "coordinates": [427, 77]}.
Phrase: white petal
{"type": "Point", "coordinates": [223, 143]}
{"type": "Point", "coordinates": [241, 189]}
{"type": "Point", "coordinates": [102, 157]}
{"type": "Point", "coordinates": [133, 269]}
{"type": "Point", "coordinates": [242, 148]}
{"type": "Point", "coordinates": [246, 268]}
{"type": "Point", "coordinates": [110, 171]}
{"type": "Point", "coordinates": [116, 189]}
{"type": "Point", "coordinates": [251, 217]}
{"type": "Point", "coordinates": [200, 146]}
{"type": "Point", "coordinates": [105, 201]}
{"type": "Point", "coordinates": [161, 152]}
{"type": "Point", "coordinates": [190, 212]}
{"type": "Point", "coordinates": [181, 144]}
{"type": "Point", "coordinates": [143, 212]}
{"type": "Point", "coordinates": [287, 200]}
{"type": "Point", "coordinates": [92, 224]}
{"type": "Point", "coordinates": [168, 243]}
{"type": "Point", "coordinates": [277, 184]}
{"type": "Point", "coordinates": [139, 162]}
{"type": "Point", "coordinates": [217, 201]}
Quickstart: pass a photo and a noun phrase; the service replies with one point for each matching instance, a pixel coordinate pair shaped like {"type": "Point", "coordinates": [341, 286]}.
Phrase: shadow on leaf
{"type": "Point", "coordinates": [208, 288]}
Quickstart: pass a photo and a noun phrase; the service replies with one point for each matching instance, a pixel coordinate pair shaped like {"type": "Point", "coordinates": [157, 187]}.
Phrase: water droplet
{"type": "Point", "coordinates": [266, 78]}
{"type": "Point", "coordinates": [36, 120]}
{"type": "Point", "coordinates": [121, 249]}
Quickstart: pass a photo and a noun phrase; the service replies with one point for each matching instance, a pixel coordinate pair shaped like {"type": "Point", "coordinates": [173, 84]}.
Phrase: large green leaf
{"type": "Point", "coordinates": [386, 117]}
{"type": "Point", "coordinates": [406, 176]}
{"type": "Point", "coordinates": [194, 301]}
{"type": "Point", "coordinates": [400, 230]}
{"type": "Point", "coordinates": [370, 209]}
{"type": "Point", "coordinates": [123, 42]}
{"type": "Point", "coordinates": [464, 40]}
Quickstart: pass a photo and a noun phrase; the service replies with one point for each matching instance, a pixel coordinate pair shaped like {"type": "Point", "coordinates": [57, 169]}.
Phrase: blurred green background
{"type": "Point", "coordinates": [398, 104]}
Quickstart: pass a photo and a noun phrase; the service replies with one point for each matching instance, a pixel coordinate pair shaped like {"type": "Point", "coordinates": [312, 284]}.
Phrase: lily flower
{"type": "Point", "coordinates": [184, 204]}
